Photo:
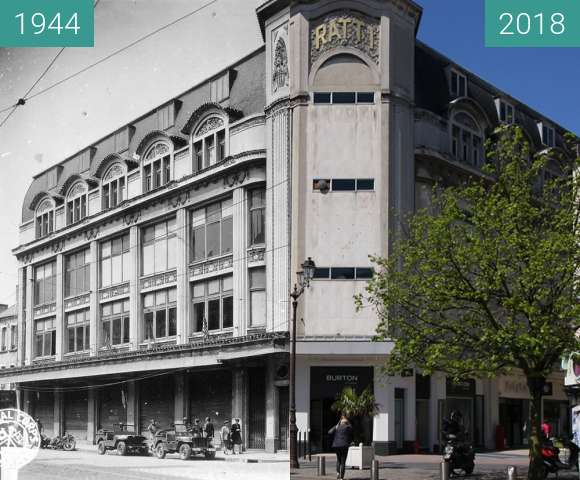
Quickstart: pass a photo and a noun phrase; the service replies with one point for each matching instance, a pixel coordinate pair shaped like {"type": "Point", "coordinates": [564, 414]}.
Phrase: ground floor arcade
{"type": "Point", "coordinates": [412, 406]}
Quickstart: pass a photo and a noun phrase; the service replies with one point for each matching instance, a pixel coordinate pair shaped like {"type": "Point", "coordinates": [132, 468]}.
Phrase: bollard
{"type": "Point", "coordinates": [375, 470]}
{"type": "Point", "coordinates": [321, 466]}
{"type": "Point", "coordinates": [444, 470]}
{"type": "Point", "coordinates": [512, 473]}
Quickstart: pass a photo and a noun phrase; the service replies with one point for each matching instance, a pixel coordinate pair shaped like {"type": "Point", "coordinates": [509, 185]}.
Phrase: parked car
{"type": "Point", "coordinates": [122, 440]}
{"type": "Point", "coordinates": [183, 441]}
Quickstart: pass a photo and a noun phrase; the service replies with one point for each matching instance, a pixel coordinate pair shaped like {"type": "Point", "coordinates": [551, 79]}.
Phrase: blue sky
{"type": "Point", "coordinates": [547, 79]}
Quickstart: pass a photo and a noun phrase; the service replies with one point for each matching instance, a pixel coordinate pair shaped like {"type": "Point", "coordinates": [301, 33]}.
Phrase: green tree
{"type": "Point", "coordinates": [485, 281]}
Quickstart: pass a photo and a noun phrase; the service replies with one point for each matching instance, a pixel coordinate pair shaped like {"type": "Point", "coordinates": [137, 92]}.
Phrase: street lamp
{"type": "Point", "coordinates": [303, 277]}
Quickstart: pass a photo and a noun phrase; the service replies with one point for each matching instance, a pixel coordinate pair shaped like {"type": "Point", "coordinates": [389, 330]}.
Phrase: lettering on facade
{"type": "Point", "coordinates": [342, 378]}
{"type": "Point", "coordinates": [345, 29]}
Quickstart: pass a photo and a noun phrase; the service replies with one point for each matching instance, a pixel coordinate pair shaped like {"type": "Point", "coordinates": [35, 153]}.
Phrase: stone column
{"type": "Point", "coordinates": [92, 416]}
{"type": "Point", "coordinates": [240, 234]}
{"type": "Point", "coordinates": [21, 303]}
{"type": "Point", "coordinates": [28, 332]}
{"type": "Point", "coordinates": [134, 299]}
{"type": "Point", "coordinates": [26, 402]}
{"type": "Point", "coordinates": [133, 406]}
{"type": "Point", "coordinates": [94, 298]}
{"type": "Point", "coordinates": [272, 441]}
{"type": "Point", "coordinates": [181, 399]}
{"type": "Point", "coordinates": [59, 320]}
{"type": "Point", "coordinates": [240, 399]}
{"type": "Point", "coordinates": [182, 277]}
{"type": "Point", "coordinates": [58, 412]}
{"type": "Point", "coordinates": [383, 393]}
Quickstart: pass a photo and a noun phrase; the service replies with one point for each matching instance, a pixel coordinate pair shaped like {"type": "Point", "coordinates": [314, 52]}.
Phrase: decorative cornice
{"type": "Point", "coordinates": [236, 178]}
{"type": "Point", "coordinates": [110, 293]}
{"type": "Point", "coordinates": [159, 280]}
{"type": "Point", "coordinates": [211, 266]}
{"type": "Point", "coordinates": [132, 218]}
{"type": "Point", "coordinates": [92, 233]}
{"type": "Point", "coordinates": [58, 245]}
{"type": "Point", "coordinates": [179, 200]}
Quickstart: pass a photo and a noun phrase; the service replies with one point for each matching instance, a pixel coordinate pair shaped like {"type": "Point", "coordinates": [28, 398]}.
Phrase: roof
{"type": "Point", "coordinates": [10, 312]}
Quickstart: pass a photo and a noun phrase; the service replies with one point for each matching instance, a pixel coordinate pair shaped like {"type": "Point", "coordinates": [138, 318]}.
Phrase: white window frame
{"type": "Point", "coordinates": [154, 309]}
{"type": "Point", "coordinates": [545, 131]}
{"type": "Point", "coordinates": [86, 328]}
{"type": "Point", "coordinates": [114, 186]}
{"type": "Point", "coordinates": [168, 238]}
{"type": "Point", "coordinates": [44, 218]}
{"type": "Point", "coordinates": [77, 202]}
{"type": "Point", "coordinates": [460, 76]}
{"type": "Point", "coordinates": [149, 164]}
{"type": "Point", "coordinates": [196, 328]}
{"type": "Point", "coordinates": [510, 118]}
{"type": "Point", "coordinates": [110, 258]}
{"type": "Point", "coordinates": [458, 146]}
{"type": "Point", "coordinates": [44, 332]}
{"type": "Point", "coordinates": [199, 220]}
{"type": "Point", "coordinates": [106, 341]}
{"type": "Point", "coordinates": [201, 155]}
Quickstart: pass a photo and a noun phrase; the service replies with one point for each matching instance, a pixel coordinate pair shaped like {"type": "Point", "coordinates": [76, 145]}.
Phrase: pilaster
{"type": "Point", "coordinates": [182, 277]}
{"type": "Point", "coordinates": [92, 418]}
{"type": "Point", "coordinates": [94, 299]}
{"type": "Point", "coordinates": [59, 319]}
{"type": "Point", "coordinates": [21, 304]}
{"type": "Point", "coordinates": [240, 238]}
{"type": "Point", "coordinates": [181, 399]}
{"type": "Point", "coordinates": [28, 332]}
{"type": "Point", "coordinates": [133, 406]}
{"type": "Point", "coordinates": [58, 413]}
{"type": "Point", "coordinates": [134, 299]}
{"type": "Point", "coordinates": [272, 441]}
{"type": "Point", "coordinates": [240, 399]}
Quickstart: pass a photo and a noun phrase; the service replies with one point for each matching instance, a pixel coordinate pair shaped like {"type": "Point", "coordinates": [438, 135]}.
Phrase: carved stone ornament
{"type": "Point", "coordinates": [157, 150]}
{"type": "Point", "coordinates": [27, 258]}
{"type": "Point", "coordinates": [345, 29]}
{"type": "Point", "coordinates": [179, 200]}
{"type": "Point", "coordinates": [77, 190]}
{"type": "Point", "coordinates": [280, 66]}
{"type": "Point", "coordinates": [58, 246]}
{"type": "Point", "coordinates": [235, 179]}
{"type": "Point", "coordinates": [114, 172]}
{"type": "Point", "coordinates": [44, 206]}
{"type": "Point", "coordinates": [132, 218]}
{"type": "Point", "coordinates": [210, 124]}
{"type": "Point", "coordinates": [92, 233]}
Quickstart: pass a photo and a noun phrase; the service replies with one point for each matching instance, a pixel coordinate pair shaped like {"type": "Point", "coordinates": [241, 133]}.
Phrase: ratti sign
{"type": "Point", "coordinates": [345, 29]}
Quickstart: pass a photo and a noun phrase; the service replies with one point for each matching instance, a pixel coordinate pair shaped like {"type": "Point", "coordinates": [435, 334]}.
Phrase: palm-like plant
{"type": "Point", "coordinates": [352, 405]}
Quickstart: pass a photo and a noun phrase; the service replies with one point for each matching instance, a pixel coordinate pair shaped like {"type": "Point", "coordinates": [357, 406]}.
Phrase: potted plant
{"type": "Point", "coordinates": [357, 407]}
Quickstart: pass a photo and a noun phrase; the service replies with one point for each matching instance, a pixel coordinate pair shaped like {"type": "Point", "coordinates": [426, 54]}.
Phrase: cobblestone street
{"type": "Point", "coordinates": [85, 464]}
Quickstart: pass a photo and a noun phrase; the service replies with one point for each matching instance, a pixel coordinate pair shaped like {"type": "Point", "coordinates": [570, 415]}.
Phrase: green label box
{"type": "Point", "coordinates": [532, 23]}
{"type": "Point", "coordinates": [46, 23]}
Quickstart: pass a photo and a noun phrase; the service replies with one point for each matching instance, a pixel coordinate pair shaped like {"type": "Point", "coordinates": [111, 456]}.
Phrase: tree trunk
{"type": "Point", "coordinates": [536, 387]}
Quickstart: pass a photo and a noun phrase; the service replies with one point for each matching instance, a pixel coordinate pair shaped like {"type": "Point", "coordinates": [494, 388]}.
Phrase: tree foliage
{"type": "Point", "coordinates": [352, 405]}
{"type": "Point", "coordinates": [485, 280]}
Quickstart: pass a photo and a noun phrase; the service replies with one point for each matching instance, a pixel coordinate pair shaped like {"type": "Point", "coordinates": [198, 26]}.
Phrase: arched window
{"type": "Point", "coordinates": [113, 186]}
{"type": "Point", "coordinates": [76, 203]}
{"type": "Point", "coordinates": [209, 143]}
{"type": "Point", "coordinates": [466, 140]}
{"type": "Point", "coordinates": [156, 166]}
{"type": "Point", "coordinates": [44, 218]}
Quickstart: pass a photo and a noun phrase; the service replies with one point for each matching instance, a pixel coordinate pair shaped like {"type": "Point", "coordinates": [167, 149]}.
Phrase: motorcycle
{"type": "Point", "coordinates": [552, 462]}
{"type": "Point", "coordinates": [459, 455]}
{"type": "Point", "coordinates": [65, 442]}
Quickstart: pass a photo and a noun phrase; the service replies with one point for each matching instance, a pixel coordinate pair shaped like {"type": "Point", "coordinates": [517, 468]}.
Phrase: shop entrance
{"type": "Point", "coordinates": [75, 413]}
{"type": "Point", "coordinates": [156, 401]}
{"type": "Point", "coordinates": [283, 411]}
{"type": "Point", "coordinates": [112, 407]}
{"type": "Point", "coordinates": [257, 408]}
{"type": "Point", "coordinates": [513, 417]}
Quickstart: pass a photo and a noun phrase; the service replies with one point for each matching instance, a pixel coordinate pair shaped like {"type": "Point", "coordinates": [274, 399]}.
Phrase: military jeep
{"type": "Point", "coordinates": [183, 441]}
{"type": "Point", "coordinates": [120, 439]}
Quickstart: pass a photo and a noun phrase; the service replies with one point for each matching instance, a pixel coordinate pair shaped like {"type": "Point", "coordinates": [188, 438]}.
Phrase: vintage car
{"type": "Point", "coordinates": [183, 441]}
{"type": "Point", "coordinates": [121, 440]}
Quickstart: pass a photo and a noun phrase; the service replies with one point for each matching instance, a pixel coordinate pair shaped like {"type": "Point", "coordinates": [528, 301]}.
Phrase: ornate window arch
{"type": "Point", "coordinates": [113, 186]}
{"type": "Point", "coordinates": [44, 218]}
{"type": "Point", "coordinates": [466, 139]}
{"type": "Point", "coordinates": [209, 141]}
{"type": "Point", "coordinates": [76, 202]}
{"type": "Point", "coordinates": [157, 165]}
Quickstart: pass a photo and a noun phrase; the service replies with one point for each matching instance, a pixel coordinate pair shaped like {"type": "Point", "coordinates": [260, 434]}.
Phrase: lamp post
{"type": "Point", "coordinates": [303, 278]}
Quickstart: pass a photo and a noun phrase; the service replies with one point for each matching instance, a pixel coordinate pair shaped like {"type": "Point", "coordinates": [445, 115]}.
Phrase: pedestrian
{"type": "Point", "coordinates": [186, 424]}
{"type": "Point", "coordinates": [546, 430]}
{"type": "Point", "coordinates": [208, 429]}
{"type": "Point", "coordinates": [152, 428]}
{"type": "Point", "coordinates": [39, 425]}
{"type": "Point", "coordinates": [342, 435]}
{"type": "Point", "coordinates": [225, 435]}
{"type": "Point", "coordinates": [237, 436]}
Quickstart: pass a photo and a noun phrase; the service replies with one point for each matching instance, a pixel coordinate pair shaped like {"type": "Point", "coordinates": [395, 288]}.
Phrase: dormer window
{"type": "Point", "coordinates": [156, 166]}
{"type": "Point", "coordinates": [209, 143]}
{"type": "Point", "coordinates": [506, 112]}
{"type": "Point", "coordinates": [548, 135]}
{"type": "Point", "coordinates": [466, 140]}
{"type": "Point", "coordinates": [44, 218]}
{"type": "Point", "coordinates": [458, 84]}
{"type": "Point", "coordinates": [76, 203]}
{"type": "Point", "coordinates": [113, 187]}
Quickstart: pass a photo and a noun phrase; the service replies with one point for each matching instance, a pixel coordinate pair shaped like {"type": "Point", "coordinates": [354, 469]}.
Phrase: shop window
{"type": "Point", "coordinates": [257, 217]}
{"type": "Point", "coordinates": [160, 314]}
{"type": "Point", "coordinates": [77, 273]}
{"type": "Point", "coordinates": [44, 219]}
{"type": "Point", "coordinates": [213, 306]}
{"type": "Point", "coordinates": [115, 261]}
{"type": "Point", "coordinates": [156, 166]}
{"type": "Point", "coordinates": [159, 247]}
{"type": "Point", "coordinates": [45, 337]}
{"type": "Point", "coordinates": [466, 140]}
{"type": "Point", "coordinates": [45, 279]}
{"type": "Point", "coordinates": [76, 204]}
{"type": "Point", "coordinates": [78, 331]}
{"type": "Point", "coordinates": [257, 297]}
{"type": "Point", "coordinates": [212, 231]}
{"type": "Point", "coordinates": [115, 323]}
{"type": "Point", "coordinates": [113, 187]}
{"type": "Point", "coordinates": [209, 143]}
